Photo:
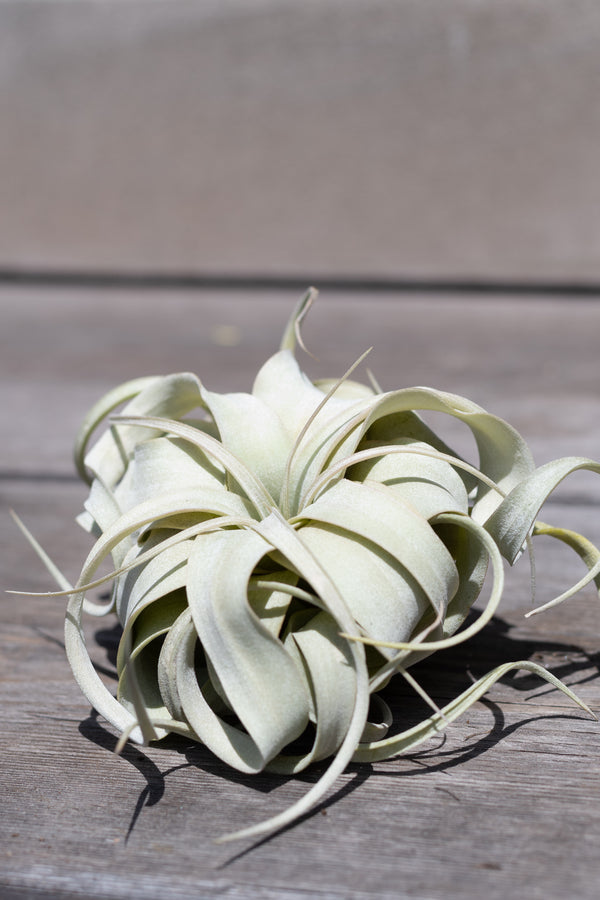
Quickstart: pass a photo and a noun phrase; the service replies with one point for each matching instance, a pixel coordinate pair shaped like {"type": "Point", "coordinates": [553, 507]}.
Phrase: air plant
{"type": "Point", "coordinates": [278, 556]}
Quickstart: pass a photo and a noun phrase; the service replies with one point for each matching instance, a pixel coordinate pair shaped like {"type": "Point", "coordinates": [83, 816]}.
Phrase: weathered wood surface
{"type": "Point", "coordinates": [505, 805]}
{"type": "Point", "coordinates": [331, 137]}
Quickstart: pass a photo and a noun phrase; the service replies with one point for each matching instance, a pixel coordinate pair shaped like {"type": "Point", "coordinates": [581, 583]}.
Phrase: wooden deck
{"type": "Point", "coordinates": [505, 806]}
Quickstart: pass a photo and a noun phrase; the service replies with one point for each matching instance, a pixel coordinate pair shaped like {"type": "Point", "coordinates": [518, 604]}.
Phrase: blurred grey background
{"type": "Point", "coordinates": [354, 138]}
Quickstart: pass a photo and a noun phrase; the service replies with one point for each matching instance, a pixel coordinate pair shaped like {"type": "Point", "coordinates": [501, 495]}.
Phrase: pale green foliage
{"type": "Point", "coordinates": [260, 540]}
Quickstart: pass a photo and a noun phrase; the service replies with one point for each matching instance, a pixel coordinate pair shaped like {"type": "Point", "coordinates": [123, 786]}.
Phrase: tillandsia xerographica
{"type": "Point", "coordinates": [279, 555]}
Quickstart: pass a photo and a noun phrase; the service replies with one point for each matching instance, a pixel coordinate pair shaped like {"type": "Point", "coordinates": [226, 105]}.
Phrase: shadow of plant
{"type": "Point", "coordinates": [444, 675]}
{"type": "Point", "coordinates": [496, 644]}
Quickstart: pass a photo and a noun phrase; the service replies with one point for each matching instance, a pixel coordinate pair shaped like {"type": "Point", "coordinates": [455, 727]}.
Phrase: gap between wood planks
{"type": "Point", "coordinates": [99, 278]}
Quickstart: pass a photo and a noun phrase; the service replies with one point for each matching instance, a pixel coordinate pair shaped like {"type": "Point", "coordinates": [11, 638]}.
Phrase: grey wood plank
{"type": "Point", "coordinates": [345, 136]}
{"type": "Point", "coordinates": [504, 805]}
{"type": "Point", "coordinates": [532, 362]}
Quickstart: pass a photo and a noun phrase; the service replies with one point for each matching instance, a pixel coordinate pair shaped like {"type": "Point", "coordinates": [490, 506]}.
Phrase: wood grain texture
{"type": "Point", "coordinates": [381, 137]}
{"type": "Point", "coordinates": [504, 805]}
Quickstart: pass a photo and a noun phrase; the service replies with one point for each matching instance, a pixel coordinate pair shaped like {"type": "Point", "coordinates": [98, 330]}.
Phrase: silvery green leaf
{"type": "Point", "coordinates": [262, 683]}
{"type": "Point", "coordinates": [168, 396]}
{"type": "Point", "coordinates": [394, 527]}
{"type": "Point", "coordinates": [514, 518]}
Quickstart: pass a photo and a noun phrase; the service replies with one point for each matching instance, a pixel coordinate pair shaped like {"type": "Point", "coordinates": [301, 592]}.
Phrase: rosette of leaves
{"type": "Point", "coordinates": [279, 555]}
